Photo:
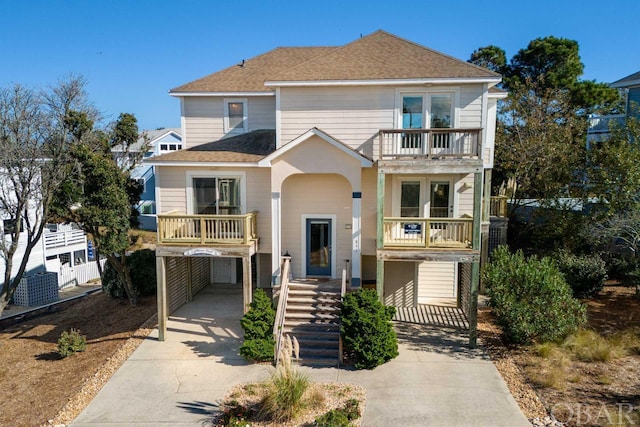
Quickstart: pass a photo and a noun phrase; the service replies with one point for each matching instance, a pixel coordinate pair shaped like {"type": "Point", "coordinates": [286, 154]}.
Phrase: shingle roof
{"type": "Point", "coordinates": [150, 135]}
{"type": "Point", "coordinates": [382, 56]}
{"type": "Point", "coordinates": [251, 76]}
{"type": "Point", "coordinates": [379, 55]}
{"type": "Point", "coordinates": [248, 147]}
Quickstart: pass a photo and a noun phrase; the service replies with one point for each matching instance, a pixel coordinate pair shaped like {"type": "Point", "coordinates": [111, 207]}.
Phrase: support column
{"type": "Point", "coordinates": [276, 247]}
{"type": "Point", "coordinates": [247, 286]}
{"type": "Point", "coordinates": [380, 236]}
{"type": "Point", "coordinates": [162, 297]}
{"type": "Point", "coordinates": [189, 279]}
{"type": "Point", "coordinates": [475, 266]}
{"type": "Point", "coordinates": [356, 236]}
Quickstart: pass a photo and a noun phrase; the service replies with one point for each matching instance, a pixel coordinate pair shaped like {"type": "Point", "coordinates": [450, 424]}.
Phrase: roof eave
{"type": "Point", "coordinates": [384, 82]}
{"type": "Point", "coordinates": [230, 93]}
{"type": "Point", "coordinates": [178, 163]}
{"type": "Point", "coordinates": [623, 84]}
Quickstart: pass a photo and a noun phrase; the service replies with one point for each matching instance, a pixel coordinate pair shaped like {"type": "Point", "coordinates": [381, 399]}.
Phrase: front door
{"type": "Point", "coordinates": [318, 247]}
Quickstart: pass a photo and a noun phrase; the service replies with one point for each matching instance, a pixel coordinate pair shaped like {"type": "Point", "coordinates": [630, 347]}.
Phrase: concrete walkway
{"type": "Point", "coordinates": [436, 380]}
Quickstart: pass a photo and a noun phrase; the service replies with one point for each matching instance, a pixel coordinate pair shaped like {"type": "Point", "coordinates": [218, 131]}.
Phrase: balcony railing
{"type": "Point", "coordinates": [430, 143]}
{"type": "Point", "coordinates": [603, 124]}
{"type": "Point", "coordinates": [207, 229]}
{"type": "Point", "coordinates": [60, 239]}
{"type": "Point", "coordinates": [428, 232]}
{"type": "Point", "coordinates": [498, 206]}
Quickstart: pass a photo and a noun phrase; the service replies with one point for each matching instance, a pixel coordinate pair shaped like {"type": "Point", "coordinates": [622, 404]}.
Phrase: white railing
{"type": "Point", "coordinates": [59, 239]}
{"type": "Point", "coordinates": [203, 229]}
{"type": "Point", "coordinates": [278, 324]}
{"type": "Point", "coordinates": [602, 124]}
{"type": "Point", "coordinates": [78, 274]}
{"type": "Point", "coordinates": [428, 232]}
{"type": "Point", "coordinates": [430, 143]}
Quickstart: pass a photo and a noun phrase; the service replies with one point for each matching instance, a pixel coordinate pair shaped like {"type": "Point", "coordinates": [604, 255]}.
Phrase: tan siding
{"type": "Point", "coordinates": [353, 115]}
{"type": "Point", "coordinates": [470, 106]}
{"type": "Point", "coordinates": [315, 194]}
{"type": "Point", "coordinates": [204, 117]}
{"type": "Point", "coordinates": [262, 112]}
{"type": "Point", "coordinates": [176, 282]}
{"type": "Point", "coordinates": [436, 280]}
{"type": "Point", "coordinates": [465, 195]}
{"type": "Point", "coordinates": [399, 283]}
{"type": "Point", "coordinates": [172, 182]}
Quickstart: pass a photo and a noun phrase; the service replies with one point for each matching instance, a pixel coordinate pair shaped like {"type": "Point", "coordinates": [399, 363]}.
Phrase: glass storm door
{"type": "Point", "coordinates": [319, 247]}
{"type": "Point", "coordinates": [412, 118]}
{"type": "Point", "coordinates": [440, 198]}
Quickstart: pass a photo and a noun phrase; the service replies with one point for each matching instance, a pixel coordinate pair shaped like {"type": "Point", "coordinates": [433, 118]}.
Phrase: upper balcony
{"type": "Point", "coordinates": [443, 150]}
{"type": "Point", "coordinates": [219, 231]}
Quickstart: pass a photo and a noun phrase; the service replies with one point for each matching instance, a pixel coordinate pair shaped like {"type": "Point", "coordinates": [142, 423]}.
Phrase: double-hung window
{"type": "Point", "coordinates": [235, 116]}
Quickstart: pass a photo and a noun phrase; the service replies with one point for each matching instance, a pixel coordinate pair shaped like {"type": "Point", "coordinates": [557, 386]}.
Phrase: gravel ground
{"type": "Point", "coordinates": [92, 386]}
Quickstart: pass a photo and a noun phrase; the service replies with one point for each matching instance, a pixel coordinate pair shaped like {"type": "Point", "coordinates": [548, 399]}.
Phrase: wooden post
{"type": "Point", "coordinates": [380, 236]}
{"type": "Point", "coordinates": [247, 286]}
{"type": "Point", "coordinates": [162, 297]}
{"type": "Point", "coordinates": [475, 266]}
{"type": "Point", "coordinates": [189, 280]}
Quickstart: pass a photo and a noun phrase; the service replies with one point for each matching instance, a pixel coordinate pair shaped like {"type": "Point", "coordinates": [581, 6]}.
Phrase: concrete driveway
{"type": "Point", "coordinates": [436, 380]}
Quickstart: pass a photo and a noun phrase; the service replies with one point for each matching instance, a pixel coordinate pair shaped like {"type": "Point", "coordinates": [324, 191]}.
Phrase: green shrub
{"type": "Point", "coordinates": [236, 415]}
{"type": "Point", "coordinates": [71, 342]}
{"type": "Point", "coordinates": [333, 418]}
{"type": "Point", "coordinates": [366, 329]}
{"type": "Point", "coordinates": [531, 298]}
{"type": "Point", "coordinates": [585, 274]}
{"type": "Point", "coordinates": [142, 268]}
{"type": "Point", "coordinates": [258, 329]}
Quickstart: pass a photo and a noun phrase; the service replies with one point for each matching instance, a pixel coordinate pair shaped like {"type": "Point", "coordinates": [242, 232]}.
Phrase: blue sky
{"type": "Point", "coordinates": [132, 52]}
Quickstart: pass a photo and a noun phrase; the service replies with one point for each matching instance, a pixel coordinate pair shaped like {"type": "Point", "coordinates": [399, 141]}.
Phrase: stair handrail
{"type": "Point", "coordinates": [278, 325]}
{"type": "Point", "coordinates": [343, 292]}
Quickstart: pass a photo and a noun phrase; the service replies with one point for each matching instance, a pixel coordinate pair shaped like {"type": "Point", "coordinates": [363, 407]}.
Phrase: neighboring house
{"type": "Point", "coordinates": [374, 157]}
{"type": "Point", "coordinates": [629, 87]}
{"type": "Point", "coordinates": [154, 142]}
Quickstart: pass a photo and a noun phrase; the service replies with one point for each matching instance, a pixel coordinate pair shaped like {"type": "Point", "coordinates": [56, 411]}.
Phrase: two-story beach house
{"type": "Point", "coordinates": [374, 158]}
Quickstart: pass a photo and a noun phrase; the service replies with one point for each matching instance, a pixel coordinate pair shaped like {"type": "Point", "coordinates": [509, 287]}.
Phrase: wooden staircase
{"type": "Point", "coordinates": [312, 315]}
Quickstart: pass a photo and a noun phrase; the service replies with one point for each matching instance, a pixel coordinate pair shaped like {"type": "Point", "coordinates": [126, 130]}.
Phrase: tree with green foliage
{"type": "Point", "coordinates": [101, 197]}
{"type": "Point", "coordinates": [490, 57]}
{"type": "Point", "coordinates": [366, 329]}
{"type": "Point", "coordinates": [35, 145]}
{"type": "Point", "coordinates": [257, 324]}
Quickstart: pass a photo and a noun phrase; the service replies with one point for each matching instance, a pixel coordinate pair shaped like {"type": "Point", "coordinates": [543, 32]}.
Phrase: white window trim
{"type": "Point", "coordinates": [426, 94]}
{"type": "Point", "coordinates": [242, 176]}
{"type": "Point", "coordinates": [397, 193]}
{"type": "Point", "coordinates": [334, 246]}
{"type": "Point", "coordinates": [453, 193]}
{"type": "Point", "coordinates": [245, 113]}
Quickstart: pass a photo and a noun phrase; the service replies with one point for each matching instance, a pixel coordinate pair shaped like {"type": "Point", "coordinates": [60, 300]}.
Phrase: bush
{"type": "Point", "coordinates": [71, 342]}
{"type": "Point", "coordinates": [366, 330]}
{"type": "Point", "coordinates": [585, 274]}
{"type": "Point", "coordinates": [142, 268]}
{"type": "Point", "coordinates": [258, 329]}
{"type": "Point", "coordinates": [340, 417]}
{"type": "Point", "coordinates": [531, 298]}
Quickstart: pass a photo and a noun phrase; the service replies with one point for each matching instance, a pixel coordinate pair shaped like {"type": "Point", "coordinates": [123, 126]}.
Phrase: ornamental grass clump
{"type": "Point", "coordinates": [284, 397]}
{"type": "Point", "coordinates": [531, 298]}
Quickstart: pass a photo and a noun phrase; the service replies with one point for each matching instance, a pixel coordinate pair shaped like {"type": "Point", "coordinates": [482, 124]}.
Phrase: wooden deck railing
{"type": "Point", "coordinates": [498, 206]}
{"type": "Point", "coordinates": [430, 143]}
{"type": "Point", "coordinates": [428, 232]}
{"type": "Point", "coordinates": [176, 228]}
{"type": "Point", "coordinates": [283, 292]}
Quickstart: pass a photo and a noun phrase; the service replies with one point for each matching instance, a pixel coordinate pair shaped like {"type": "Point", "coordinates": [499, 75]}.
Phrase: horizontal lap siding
{"type": "Point", "coordinates": [171, 182]}
{"type": "Point", "coordinates": [465, 195]}
{"type": "Point", "coordinates": [470, 106]}
{"type": "Point", "coordinates": [436, 280]}
{"type": "Point", "coordinates": [176, 272]}
{"type": "Point", "coordinates": [353, 115]}
{"type": "Point", "coordinates": [204, 117]}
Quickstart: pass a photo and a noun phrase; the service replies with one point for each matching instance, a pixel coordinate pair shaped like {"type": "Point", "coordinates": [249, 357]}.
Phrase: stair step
{"type": "Point", "coordinates": [314, 293]}
{"type": "Point", "coordinates": [313, 308]}
{"type": "Point", "coordinates": [307, 352]}
{"type": "Point", "coordinates": [313, 299]}
{"type": "Point", "coordinates": [319, 361]}
{"type": "Point", "coordinates": [313, 317]}
{"type": "Point", "coordinates": [328, 344]}
{"type": "Point", "coordinates": [320, 332]}
{"type": "Point", "coordinates": [310, 328]}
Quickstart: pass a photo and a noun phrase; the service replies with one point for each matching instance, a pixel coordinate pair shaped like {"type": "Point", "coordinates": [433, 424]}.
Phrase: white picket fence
{"type": "Point", "coordinates": [78, 274]}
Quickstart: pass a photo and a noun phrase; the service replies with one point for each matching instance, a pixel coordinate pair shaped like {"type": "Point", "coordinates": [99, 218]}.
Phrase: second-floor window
{"type": "Point", "coordinates": [235, 116]}
{"type": "Point", "coordinates": [216, 195]}
{"type": "Point", "coordinates": [426, 111]}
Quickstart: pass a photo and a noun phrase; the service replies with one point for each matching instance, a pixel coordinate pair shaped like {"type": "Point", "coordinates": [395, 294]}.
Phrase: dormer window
{"type": "Point", "coordinates": [235, 116]}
